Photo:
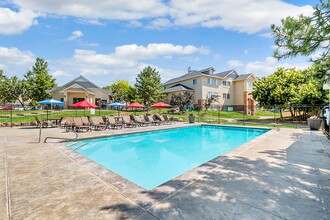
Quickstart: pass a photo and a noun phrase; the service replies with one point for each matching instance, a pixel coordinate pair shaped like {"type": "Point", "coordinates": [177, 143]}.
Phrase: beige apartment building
{"type": "Point", "coordinates": [233, 90]}
{"type": "Point", "coordinates": [80, 89]}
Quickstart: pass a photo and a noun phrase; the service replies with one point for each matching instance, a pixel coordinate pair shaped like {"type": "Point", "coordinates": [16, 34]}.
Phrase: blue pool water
{"type": "Point", "coordinates": [151, 158]}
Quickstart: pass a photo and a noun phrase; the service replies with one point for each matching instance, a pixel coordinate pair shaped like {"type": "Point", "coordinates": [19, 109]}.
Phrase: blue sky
{"type": "Point", "coordinates": [107, 40]}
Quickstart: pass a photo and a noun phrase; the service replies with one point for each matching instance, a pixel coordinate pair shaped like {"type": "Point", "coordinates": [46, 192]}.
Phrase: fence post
{"type": "Point", "coordinates": [218, 114]}
{"type": "Point", "coordinates": [11, 116]}
{"type": "Point", "coordinates": [274, 115]}
{"type": "Point", "coordinates": [198, 114]}
{"type": "Point", "coordinates": [243, 114]}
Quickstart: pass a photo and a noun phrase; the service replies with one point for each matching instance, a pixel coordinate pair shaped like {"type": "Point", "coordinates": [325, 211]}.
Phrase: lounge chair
{"type": "Point", "coordinates": [140, 120]}
{"type": "Point", "coordinates": [78, 125]}
{"type": "Point", "coordinates": [86, 121]}
{"type": "Point", "coordinates": [113, 123]}
{"type": "Point", "coordinates": [163, 120]}
{"type": "Point", "coordinates": [43, 123]}
{"type": "Point", "coordinates": [69, 124]}
{"type": "Point", "coordinates": [153, 121]}
{"type": "Point", "coordinates": [98, 123]}
{"type": "Point", "coordinates": [128, 122]}
{"type": "Point", "coordinates": [169, 120]}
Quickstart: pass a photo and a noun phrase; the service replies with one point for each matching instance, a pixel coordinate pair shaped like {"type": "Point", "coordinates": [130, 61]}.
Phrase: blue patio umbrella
{"type": "Point", "coordinates": [117, 105]}
{"type": "Point", "coordinates": [51, 102]}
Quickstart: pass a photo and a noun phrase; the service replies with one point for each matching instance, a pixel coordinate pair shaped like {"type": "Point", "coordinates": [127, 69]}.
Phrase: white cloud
{"type": "Point", "coordinates": [103, 9]}
{"type": "Point", "coordinates": [240, 15]}
{"type": "Point", "coordinates": [246, 52]}
{"type": "Point", "coordinates": [267, 35]}
{"type": "Point", "coordinates": [14, 61]}
{"type": "Point", "coordinates": [234, 63]}
{"type": "Point", "coordinates": [270, 65]}
{"type": "Point", "coordinates": [152, 51]}
{"type": "Point", "coordinates": [60, 73]}
{"type": "Point", "coordinates": [160, 23]}
{"type": "Point", "coordinates": [75, 35]}
{"type": "Point", "coordinates": [124, 63]}
{"type": "Point", "coordinates": [12, 22]}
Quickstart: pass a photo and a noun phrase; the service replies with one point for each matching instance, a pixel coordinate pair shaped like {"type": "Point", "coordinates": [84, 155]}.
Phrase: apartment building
{"type": "Point", "coordinates": [233, 90]}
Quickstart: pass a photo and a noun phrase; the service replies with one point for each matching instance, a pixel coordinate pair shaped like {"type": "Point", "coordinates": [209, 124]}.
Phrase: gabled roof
{"type": "Point", "coordinates": [226, 73]}
{"type": "Point", "coordinates": [76, 87]}
{"type": "Point", "coordinates": [192, 74]}
{"type": "Point", "coordinates": [244, 77]}
{"type": "Point", "coordinates": [178, 87]}
{"type": "Point", "coordinates": [82, 82]}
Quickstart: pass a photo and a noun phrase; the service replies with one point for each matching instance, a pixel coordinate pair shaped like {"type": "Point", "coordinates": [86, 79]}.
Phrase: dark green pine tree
{"type": "Point", "coordinates": [148, 86]}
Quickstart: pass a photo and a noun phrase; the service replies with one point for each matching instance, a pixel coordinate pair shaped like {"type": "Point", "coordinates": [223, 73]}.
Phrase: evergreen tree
{"type": "Point", "coordinates": [148, 86]}
{"type": "Point", "coordinates": [38, 80]}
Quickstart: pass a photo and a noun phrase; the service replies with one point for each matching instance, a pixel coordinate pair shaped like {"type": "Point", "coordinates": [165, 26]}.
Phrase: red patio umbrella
{"type": "Point", "coordinates": [135, 105]}
{"type": "Point", "coordinates": [160, 105]}
{"type": "Point", "coordinates": [84, 104]}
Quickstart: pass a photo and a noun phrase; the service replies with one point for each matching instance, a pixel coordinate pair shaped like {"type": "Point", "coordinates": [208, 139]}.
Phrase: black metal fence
{"type": "Point", "coordinates": [270, 116]}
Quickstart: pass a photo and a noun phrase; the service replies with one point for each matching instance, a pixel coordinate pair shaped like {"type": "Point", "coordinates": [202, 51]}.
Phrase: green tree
{"type": "Point", "coordinates": [182, 99]}
{"type": "Point", "coordinates": [120, 90]}
{"type": "Point", "coordinates": [306, 35]}
{"type": "Point", "coordinates": [132, 95]}
{"type": "Point", "coordinates": [38, 80]}
{"type": "Point", "coordinates": [289, 89]}
{"type": "Point", "coordinates": [12, 89]}
{"type": "Point", "coordinates": [148, 86]}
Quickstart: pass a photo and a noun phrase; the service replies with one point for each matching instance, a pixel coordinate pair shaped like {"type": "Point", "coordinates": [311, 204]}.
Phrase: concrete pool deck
{"type": "Point", "coordinates": [283, 174]}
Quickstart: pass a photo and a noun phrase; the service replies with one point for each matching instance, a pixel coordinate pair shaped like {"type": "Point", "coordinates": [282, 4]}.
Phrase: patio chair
{"type": "Point", "coordinates": [140, 120]}
{"type": "Point", "coordinates": [113, 123]}
{"type": "Point", "coordinates": [86, 121]}
{"type": "Point", "coordinates": [98, 123]}
{"type": "Point", "coordinates": [69, 124]}
{"type": "Point", "coordinates": [169, 120]}
{"type": "Point", "coordinates": [128, 123]}
{"type": "Point", "coordinates": [78, 125]}
{"type": "Point", "coordinates": [43, 123]}
{"type": "Point", "coordinates": [162, 119]}
{"type": "Point", "coordinates": [153, 121]}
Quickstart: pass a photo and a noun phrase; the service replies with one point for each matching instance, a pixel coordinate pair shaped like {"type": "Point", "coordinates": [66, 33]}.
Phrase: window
{"type": "Point", "coordinates": [228, 96]}
{"type": "Point", "coordinates": [224, 95]}
{"type": "Point", "coordinates": [209, 94]}
{"type": "Point", "coordinates": [226, 83]}
{"type": "Point", "coordinates": [216, 82]}
{"type": "Point", "coordinates": [194, 81]}
{"type": "Point", "coordinates": [216, 94]}
{"type": "Point", "coordinates": [249, 85]}
{"type": "Point", "coordinates": [62, 100]}
{"type": "Point", "coordinates": [209, 81]}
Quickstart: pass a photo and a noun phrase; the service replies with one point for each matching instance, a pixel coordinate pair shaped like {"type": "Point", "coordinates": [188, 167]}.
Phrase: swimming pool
{"type": "Point", "coordinates": [149, 159]}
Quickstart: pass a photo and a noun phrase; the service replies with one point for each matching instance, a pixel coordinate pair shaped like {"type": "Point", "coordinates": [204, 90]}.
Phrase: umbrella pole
{"type": "Point", "coordinates": [76, 112]}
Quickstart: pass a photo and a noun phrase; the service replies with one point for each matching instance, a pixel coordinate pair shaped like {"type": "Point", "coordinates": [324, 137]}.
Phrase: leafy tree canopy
{"type": "Point", "coordinates": [289, 87]}
{"type": "Point", "coordinates": [120, 90]}
{"type": "Point", "coordinates": [148, 86]}
{"type": "Point", "coordinates": [181, 100]}
{"type": "Point", "coordinates": [12, 89]}
{"type": "Point", "coordinates": [38, 80]}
